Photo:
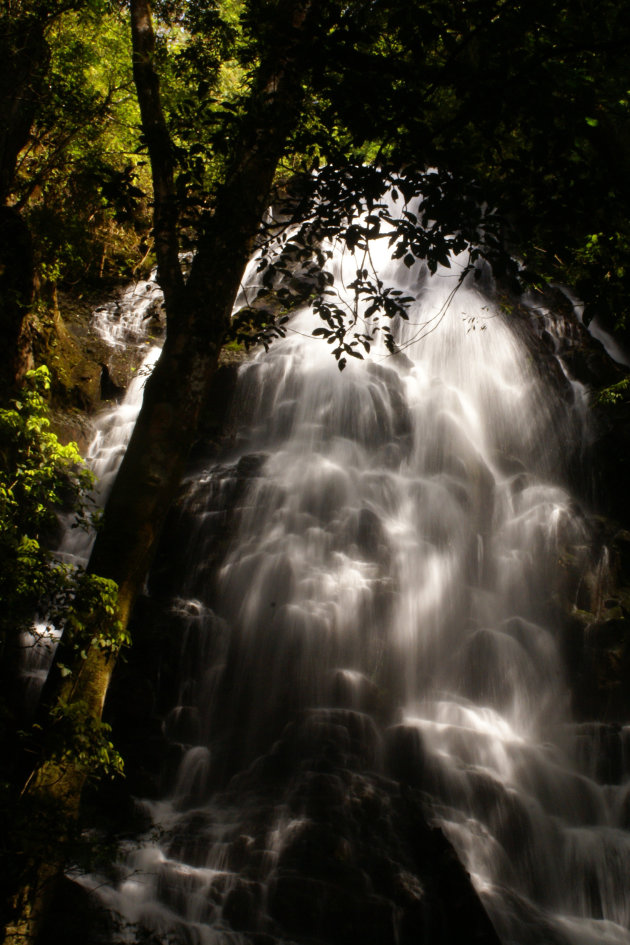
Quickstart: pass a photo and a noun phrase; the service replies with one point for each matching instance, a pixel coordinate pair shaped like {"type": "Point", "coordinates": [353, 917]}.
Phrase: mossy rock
{"type": "Point", "coordinates": [86, 373]}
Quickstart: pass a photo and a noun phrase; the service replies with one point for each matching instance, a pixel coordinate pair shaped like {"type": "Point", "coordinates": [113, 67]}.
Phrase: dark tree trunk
{"type": "Point", "coordinates": [198, 311]}
{"type": "Point", "coordinates": [198, 315]}
{"type": "Point", "coordinates": [16, 293]}
{"type": "Point", "coordinates": [24, 58]}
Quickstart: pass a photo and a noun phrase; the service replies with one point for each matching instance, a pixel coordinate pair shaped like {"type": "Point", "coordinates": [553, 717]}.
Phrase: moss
{"type": "Point", "coordinates": [86, 373]}
{"type": "Point", "coordinates": [74, 364]}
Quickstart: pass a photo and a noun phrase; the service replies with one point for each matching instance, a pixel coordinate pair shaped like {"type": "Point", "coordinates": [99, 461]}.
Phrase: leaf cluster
{"type": "Point", "coordinates": [203, 87]}
{"type": "Point", "coordinates": [39, 478]}
{"type": "Point", "coordinates": [75, 738]}
{"type": "Point", "coordinates": [523, 104]}
{"type": "Point", "coordinates": [79, 180]}
{"type": "Point", "coordinates": [422, 217]}
{"type": "Point", "coordinates": [42, 596]}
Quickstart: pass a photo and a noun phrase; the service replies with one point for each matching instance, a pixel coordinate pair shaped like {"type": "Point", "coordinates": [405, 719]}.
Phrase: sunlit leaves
{"type": "Point", "coordinates": [76, 738]}
{"type": "Point", "coordinates": [40, 478]}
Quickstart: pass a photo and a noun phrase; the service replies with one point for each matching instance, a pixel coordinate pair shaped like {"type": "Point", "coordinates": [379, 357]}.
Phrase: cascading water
{"type": "Point", "coordinates": [374, 560]}
{"type": "Point", "coordinates": [120, 324]}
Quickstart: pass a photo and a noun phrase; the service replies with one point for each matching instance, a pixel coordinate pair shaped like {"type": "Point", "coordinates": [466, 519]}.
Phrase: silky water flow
{"type": "Point", "coordinates": [395, 552]}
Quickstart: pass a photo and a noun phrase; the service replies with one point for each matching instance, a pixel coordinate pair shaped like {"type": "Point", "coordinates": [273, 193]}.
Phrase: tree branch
{"type": "Point", "coordinates": [161, 152]}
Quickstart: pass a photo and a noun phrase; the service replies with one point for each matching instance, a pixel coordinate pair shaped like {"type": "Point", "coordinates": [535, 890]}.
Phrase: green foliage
{"type": "Point", "coordinates": [39, 478]}
{"type": "Point", "coordinates": [522, 107]}
{"type": "Point", "coordinates": [601, 269]}
{"type": "Point", "coordinates": [79, 180]}
{"type": "Point", "coordinates": [202, 85]}
{"type": "Point", "coordinates": [421, 216]}
{"type": "Point", "coordinates": [614, 394]}
{"type": "Point", "coordinates": [91, 620]}
{"type": "Point", "coordinates": [528, 103]}
{"type": "Point", "coordinates": [76, 738]}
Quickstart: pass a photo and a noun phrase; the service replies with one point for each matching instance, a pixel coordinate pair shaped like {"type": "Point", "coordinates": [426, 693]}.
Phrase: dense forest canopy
{"type": "Point", "coordinates": [527, 101]}
{"type": "Point", "coordinates": [129, 135]}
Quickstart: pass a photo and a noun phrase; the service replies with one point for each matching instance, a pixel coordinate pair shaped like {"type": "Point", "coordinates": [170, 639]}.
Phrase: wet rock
{"type": "Point", "coordinates": [599, 751]}
{"type": "Point", "coordinates": [623, 811]}
{"type": "Point", "coordinates": [250, 465]}
{"type": "Point", "coordinates": [176, 887]}
{"type": "Point", "coordinates": [319, 910]}
{"type": "Point", "coordinates": [509, 465]}
{"type": "Point", "coordinates": [76, 917]}
{"type": "Point", "coordinates": [242, 849]}
{"type": "Point", "coordinates": [371, 538]}
{"type": "Point", "coordinates": [319, 793]}
{"type": "Point", "coordinates": [494, 666]}
{"type": "Point", "coordinates": [319, 851]}
{"type": "Point", "coordinates": [597, 653]}
{"type": "Point", "coordinates": [182, 725]}
{"type": "Point", "coordinates": [621, 548]}
{"type": "Point", "coordinates": [402, 426]}
{"type": "Point", "coordinates": [109, 389]}
{"type": "Point", "coordinates": [588, 362]}
{"type": "Point", "coordinates": [611, 460]}
{"type": "Point", "coordinates": [241, 907]}
{"type": "Point", "coordinates": [353, 690]}
{"type": "Point", "coordinates": [404, 754]}
{"type": "Point", "coordinates": [340, 734]}
{"type": "Point", "coordinates": [191, 837]}
{"type": "Point", "coordinates": [521, 921]}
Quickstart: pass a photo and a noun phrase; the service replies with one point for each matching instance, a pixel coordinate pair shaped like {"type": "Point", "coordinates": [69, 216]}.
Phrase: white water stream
{"type": "Point", "coordinates": [401, 532]}
{"type": "Point", "coordinates": [121, 323]}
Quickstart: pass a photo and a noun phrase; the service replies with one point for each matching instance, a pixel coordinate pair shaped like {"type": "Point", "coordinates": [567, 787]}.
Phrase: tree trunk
{"type": "Point", "coordinates": [198, 316]}
{"type": "Point", "coordinates": [24, 58]}
{"type": "Point", "coordinates": [16, 293]}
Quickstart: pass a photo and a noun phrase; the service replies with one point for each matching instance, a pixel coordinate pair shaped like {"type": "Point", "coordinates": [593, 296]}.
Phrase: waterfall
{"type": "Point", "coordinates": [368, 574]}
{"type": "Point", "coordinates": [121, 324]}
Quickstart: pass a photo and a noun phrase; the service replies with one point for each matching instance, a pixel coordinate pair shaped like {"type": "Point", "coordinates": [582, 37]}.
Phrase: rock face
{"type": "Point", "coordinates": [593, 601]}
{"type": "Point", "coordinates": [86, 373]}
{"type": "Point", "coordinates": [361, 863]}
{"type": "Point", "coordinates": [358, 861]}
{"type": "Point", "coordinates": [597, 627]}
{"type": "Point", "coordinates": [328, 850]}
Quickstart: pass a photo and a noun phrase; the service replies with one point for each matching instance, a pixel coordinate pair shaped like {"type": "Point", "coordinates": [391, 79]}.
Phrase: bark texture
{"type": "Point", "coordinates": [16, 293]}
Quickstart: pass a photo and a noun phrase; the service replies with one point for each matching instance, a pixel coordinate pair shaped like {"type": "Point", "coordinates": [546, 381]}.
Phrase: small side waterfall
{"type": "Point", "coordinates": [372, 565]}
{"type": "Point", "coordinates": [121, 324]}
